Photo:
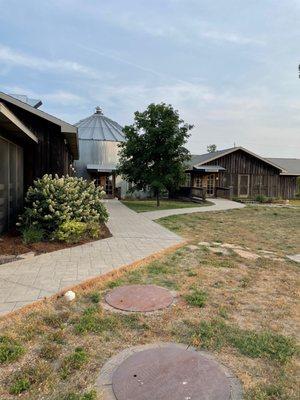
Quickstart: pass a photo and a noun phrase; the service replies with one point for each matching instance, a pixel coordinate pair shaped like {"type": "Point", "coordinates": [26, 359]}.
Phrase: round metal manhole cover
{"type": "Point", "coordinates": [143, 298]}
{"type": "Point", "coordinates": [170, 373]}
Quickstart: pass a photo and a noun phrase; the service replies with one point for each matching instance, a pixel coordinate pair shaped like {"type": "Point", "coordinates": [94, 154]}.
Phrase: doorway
{"type": "Point", "coordinates": [207, 182]}
{"type": "Point", "coordinates": [243, 185]}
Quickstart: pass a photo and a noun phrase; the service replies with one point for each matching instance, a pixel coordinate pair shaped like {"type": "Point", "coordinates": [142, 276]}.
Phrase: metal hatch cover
{"type": "Point", "coordinates": [139, 298]}
{"type": "Point", "coordinates": [170, 373]}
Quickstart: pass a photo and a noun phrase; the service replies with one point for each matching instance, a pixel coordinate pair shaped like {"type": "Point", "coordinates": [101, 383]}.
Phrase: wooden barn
{"type": "Point", "coordinates": [32, 143]}
{"type": "Point", "coordinates": [237, 172]}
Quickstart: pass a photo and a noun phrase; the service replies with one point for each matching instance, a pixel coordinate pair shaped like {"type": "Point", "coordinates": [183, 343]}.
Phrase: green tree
{"type": "Point", "coordinates": [153, 154]}
{"type": "Point", "coordinates": [211, 148]}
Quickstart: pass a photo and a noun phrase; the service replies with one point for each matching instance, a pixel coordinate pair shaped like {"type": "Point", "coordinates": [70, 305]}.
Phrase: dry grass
{"type": "Point", "coordinates": [243, 311]}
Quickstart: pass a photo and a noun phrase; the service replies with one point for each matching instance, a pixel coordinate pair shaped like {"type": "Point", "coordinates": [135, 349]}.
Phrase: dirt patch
{"type": "Point", "coordinates": [12, 247]}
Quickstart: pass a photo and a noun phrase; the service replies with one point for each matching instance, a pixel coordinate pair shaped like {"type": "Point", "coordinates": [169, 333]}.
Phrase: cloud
{"type": "Point", "coordinates": [180, 30]}
{"type": "Point", "coordinates": [231, 38]}
{"type": "Point", "coordinates": [13, 57]}
{"type": "Point", "coordinates": [58, 97]}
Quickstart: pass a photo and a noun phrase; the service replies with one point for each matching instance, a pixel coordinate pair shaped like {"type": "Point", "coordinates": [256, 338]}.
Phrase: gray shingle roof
{"type": "Point", "coordinates": [291, 166]}
{"type": "Point", "coordinates": [99, 127]}
{"type": "Point", "coordinates": [204, 158]}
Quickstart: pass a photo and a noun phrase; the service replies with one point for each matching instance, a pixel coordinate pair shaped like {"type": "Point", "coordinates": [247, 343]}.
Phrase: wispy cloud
{"type": "Point", "coordinates": [14, 57]}
{"type": "Point", "coordinates": [57, 97]}
{"type": "Point", "coordinates": [180, 30]}
{"type": "Point", "coordinates": [231, 38]}
{"type": "Point", "coordinates": [140, 67]}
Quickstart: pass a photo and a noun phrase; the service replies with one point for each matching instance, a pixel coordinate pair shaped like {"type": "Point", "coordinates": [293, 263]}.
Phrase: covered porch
{"type": "Point", "coordinates": [104, 176]}
{"type": "Point", "coordinates": [203, 181]}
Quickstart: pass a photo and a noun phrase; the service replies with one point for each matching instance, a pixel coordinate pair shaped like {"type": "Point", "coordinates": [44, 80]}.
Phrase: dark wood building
{"type": "Point", "coordinates": [237, 172]}
{"type": "Point", "coordinates": [32, 143]}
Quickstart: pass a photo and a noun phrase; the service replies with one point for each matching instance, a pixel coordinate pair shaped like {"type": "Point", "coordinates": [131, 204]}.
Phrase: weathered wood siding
{"type": "Point", "coordinates": [51, 155]}
{"type": "Point", "coordinates": [264, 179]}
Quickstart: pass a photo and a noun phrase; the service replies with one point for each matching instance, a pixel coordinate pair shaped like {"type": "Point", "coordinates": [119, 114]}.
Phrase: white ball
{"type": "Point", "coordinates": [69, 295]}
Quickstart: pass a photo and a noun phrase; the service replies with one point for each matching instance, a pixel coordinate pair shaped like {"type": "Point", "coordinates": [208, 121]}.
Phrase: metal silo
{"type": "Point", "coordinates": [99, 137]}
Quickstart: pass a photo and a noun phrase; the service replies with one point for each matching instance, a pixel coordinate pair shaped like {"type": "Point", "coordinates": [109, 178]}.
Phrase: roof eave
{"type": "Point", "coordinates": [67, 129]}
{"type": "Point", "coordinates": [10, 116]}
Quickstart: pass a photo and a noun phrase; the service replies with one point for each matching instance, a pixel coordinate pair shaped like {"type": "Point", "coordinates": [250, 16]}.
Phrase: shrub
{"type": "Point", "coordinates": [71, 231]}
{"type": "Point", "coordinates": [10, 350]}
{"type": "Point", "coordinates": [93, 230]}
{"type": "Point", "coordinates": [264, 199]}
{"type": "Point", "coordinates": [52, 201]}
{"type": "Point", "coordinates": [32, 234]}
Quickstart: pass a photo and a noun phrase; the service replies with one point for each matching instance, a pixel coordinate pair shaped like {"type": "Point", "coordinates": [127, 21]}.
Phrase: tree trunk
{"type": "Point", "coordinates": [157, 199]}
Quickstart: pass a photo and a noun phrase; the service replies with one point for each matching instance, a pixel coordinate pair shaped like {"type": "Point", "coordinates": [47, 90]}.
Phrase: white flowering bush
{"type": "Point", "coordinates": [52, 201]}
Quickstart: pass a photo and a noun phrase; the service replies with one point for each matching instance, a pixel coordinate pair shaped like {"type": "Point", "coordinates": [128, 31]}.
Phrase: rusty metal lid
{"type": "Point", "coordinates": [170, 373]}
{"type": "Point", "coordinates": [141, 298]}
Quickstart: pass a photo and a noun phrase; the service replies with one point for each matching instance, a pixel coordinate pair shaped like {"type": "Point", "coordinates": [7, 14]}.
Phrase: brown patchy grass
{"type": "Point", "coordinates": [242, 310]}
{"type": "Point", "coordinates": [258, 227]}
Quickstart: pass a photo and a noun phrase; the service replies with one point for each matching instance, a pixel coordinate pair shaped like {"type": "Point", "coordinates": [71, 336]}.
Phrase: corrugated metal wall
{"type": "Point", "coordinates": [11, 183]}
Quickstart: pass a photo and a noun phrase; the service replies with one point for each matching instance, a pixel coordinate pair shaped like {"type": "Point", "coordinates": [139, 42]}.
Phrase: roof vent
{"type": "Point", "coordinates": [98, 110]}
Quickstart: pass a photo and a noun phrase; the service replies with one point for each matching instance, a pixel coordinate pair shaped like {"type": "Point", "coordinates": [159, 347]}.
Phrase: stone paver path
{"type": "Point", "coordinates": [219, 205]}
{"type": "Point", "coordinates": [135, 237]}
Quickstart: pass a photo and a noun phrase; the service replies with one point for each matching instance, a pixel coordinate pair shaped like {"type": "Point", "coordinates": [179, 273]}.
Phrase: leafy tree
{"type": "Point", "coordinates": [212, 148]}
{"type": "Point", "coordinates": [153, 154]}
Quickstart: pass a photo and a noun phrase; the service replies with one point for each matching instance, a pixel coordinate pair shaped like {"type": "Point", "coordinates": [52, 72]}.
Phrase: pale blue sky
{"type": "Point", "coordinates": [229, 66]}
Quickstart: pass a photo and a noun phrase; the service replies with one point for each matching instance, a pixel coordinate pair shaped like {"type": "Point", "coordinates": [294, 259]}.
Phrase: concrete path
{"type": "Point", "coordinates": [134, 238]}
{"type": "Point", "coordinates": [219, 205]}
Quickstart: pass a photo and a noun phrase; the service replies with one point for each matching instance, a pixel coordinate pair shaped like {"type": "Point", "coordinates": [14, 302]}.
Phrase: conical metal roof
{"type": "Point", "coordinates": [99, 127]}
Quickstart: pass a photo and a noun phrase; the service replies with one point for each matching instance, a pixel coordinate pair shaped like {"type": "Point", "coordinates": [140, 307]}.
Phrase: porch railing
{"type": "Point", "coordinates": [225, 192]}
{"type": "Point", "coordinates": [198, 192]}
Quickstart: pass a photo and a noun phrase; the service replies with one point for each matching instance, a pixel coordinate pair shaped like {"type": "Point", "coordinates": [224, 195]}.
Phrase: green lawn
{"type": "Point", "coordinates": [150, 205]}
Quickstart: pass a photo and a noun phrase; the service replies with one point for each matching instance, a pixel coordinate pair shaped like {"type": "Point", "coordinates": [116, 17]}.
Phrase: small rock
{"type": "Point", "coordinates": [230, 246]}
{"type": "Point", "coordinates": [192, 247]}
{"type": "Point", "coordinates": [246, 254]}
{"type": "Point", "coordinates": [295, 257]}
{"type": "Point", "coordinates": [219, 250]}
{"type": "Point", "coordinates": [266, 252]}
{"type": "Point", "coordinates": [204, 244]}
{"type": "Point", "coordinates": [27, 255]}
{"type": "Point", "coordinates": [69, 295]}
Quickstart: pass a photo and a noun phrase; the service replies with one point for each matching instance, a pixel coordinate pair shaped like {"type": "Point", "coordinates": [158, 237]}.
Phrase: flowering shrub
{"type": "Point", "coordinates": [51, 202]}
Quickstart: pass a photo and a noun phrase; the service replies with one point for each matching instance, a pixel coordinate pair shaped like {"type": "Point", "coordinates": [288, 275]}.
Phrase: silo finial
{"type": "Point", "coordinates": [98, 110]}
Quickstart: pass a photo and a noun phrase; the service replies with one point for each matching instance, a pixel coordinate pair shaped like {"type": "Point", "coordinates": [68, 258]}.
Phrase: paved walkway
{"type": "Point", "coordinates": [219, 205]}
{"type": "Point", "coordinates": [135, 236]}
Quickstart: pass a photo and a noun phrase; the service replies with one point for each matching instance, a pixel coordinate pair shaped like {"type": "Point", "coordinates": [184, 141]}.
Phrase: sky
{"type": "Point", "coordinates": [230, 67]}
